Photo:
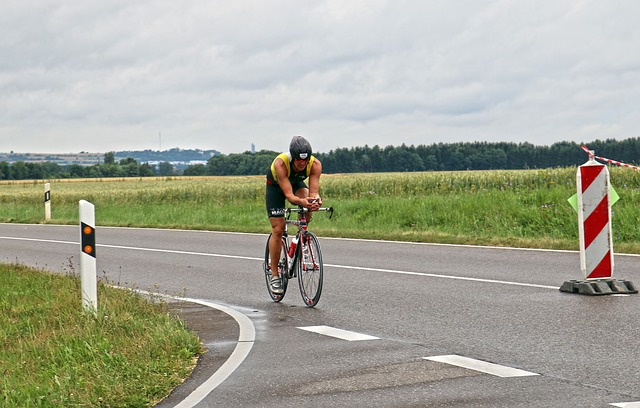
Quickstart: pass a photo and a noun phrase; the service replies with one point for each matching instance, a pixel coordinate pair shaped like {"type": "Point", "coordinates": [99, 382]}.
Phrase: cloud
{"type": "Point", "coordinates": [100, 76]}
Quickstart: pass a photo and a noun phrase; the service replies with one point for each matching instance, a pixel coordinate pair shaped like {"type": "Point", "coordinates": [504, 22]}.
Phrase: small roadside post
{"type": "Point", "coordinates": [47, 202]}
{"type": "Point", "coordinates": [88, 276]}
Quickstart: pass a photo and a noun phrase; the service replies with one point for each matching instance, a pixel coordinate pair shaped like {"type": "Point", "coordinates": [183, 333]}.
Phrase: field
{"type": "Point", "coordinates": [526, 208]}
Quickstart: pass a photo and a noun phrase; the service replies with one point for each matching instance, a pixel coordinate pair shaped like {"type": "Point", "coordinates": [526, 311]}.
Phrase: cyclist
{"type": "Point", "coordinates": [285, 181]}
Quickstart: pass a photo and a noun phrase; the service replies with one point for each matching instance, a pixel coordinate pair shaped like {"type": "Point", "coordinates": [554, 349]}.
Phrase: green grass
{"type": "Point", "coordinates": [53, 354]}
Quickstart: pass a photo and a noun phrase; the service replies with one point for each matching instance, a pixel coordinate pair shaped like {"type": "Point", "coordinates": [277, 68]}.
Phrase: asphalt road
{"type": "Point", "coordinates": [415, 302]}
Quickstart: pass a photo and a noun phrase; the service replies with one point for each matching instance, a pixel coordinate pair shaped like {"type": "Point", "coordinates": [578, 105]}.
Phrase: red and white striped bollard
{"type": "Point", "coordinates": [594, 200]}
{"type": "Point", "coordinates": [594, 216]}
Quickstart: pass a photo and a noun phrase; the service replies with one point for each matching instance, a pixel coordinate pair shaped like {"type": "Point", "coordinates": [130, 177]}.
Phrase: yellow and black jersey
{"type": "Point", "coordinates": [294, 177]}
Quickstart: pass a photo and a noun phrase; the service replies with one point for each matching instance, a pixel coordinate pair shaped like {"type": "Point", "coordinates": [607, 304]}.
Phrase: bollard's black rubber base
{"type": "Point", "coordinates": [598, 287]}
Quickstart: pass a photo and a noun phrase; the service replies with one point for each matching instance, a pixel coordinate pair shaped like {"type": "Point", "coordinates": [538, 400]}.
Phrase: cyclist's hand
{"type": "Point", "coordinates": [314, 203]}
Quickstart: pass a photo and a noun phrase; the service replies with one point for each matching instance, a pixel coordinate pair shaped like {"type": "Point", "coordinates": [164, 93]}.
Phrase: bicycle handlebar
{"type": "Point", "coordinates": [306, 210]}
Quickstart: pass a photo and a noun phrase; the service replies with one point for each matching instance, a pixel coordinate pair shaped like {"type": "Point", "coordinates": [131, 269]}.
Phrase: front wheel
{"type": "Point", "coordinates": [282, 266]}
{"type": "Point", "coordinates": [309, 266]}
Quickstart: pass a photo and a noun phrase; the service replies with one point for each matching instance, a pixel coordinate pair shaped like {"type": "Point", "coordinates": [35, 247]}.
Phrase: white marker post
{"type": "Point", "coordinates": [47, 202]}
{"type": "Point", "coordinates": [88, 276]}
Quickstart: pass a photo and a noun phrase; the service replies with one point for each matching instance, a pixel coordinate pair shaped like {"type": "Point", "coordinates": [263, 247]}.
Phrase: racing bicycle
{"type": "Point", "coordinates": [300, 257]}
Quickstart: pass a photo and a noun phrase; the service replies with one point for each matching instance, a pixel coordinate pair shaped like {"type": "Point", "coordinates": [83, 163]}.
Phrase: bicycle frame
{"type": "Point", "coordinates": [302, 225]}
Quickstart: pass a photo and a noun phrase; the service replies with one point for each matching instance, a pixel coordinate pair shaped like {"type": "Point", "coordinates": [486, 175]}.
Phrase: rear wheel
{"type": "Point", "coordinates": [282, 266]}
{"type": "Point", "coordinates": [309, 267]}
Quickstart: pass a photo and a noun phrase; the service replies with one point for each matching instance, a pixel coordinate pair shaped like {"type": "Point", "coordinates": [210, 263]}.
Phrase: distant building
{"type": "Point", "coordinates": [180, 158]}
{"type": "Point", "coordinates": [63, 159]}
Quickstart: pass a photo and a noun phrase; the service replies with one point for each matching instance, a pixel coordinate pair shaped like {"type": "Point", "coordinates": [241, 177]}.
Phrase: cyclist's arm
{"type": "Point", "coordinates": [314, 181]}
{"type": "Point", "coordinates": [285, 184]}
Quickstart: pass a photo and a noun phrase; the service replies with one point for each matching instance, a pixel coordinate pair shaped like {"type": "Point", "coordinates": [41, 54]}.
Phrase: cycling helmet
{"type": "Point", "coordinates": [300, 148]}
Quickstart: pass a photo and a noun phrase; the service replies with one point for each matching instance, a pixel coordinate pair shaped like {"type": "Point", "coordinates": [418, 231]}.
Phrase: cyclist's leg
{"type": "Point", "coordinates": [302, 191]}
{"type": "Point", "coordinates": [275, 201]}
{"type": "Point", "coordinates": [275, 242]}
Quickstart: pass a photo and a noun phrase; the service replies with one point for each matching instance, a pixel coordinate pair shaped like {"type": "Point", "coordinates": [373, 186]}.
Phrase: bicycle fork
{"type": "Point", "coordinates": [307, 261]}
{"type": "Point", "coordinates": [308, 256]}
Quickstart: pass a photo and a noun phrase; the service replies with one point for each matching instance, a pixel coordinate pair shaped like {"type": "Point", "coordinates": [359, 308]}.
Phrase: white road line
{"type": "Point", "coordinates": [635, 404]}
{"type": "Point", "coordinates": [360, 268]}
{"type": "Point", "coordinates": [482, 366]}
{"type": "Point", "coordinates": [434, 275]}
{"type": "Point", "coordinates": [246, 339]}
{"type": "Point", "coordinates": [168, 251]}
{"type": "Point", "coordinates": [338, 333]}
{"type": "Point", "coordinates": [53, 241]}
{"type": "Point", "coordinates": [172, 251]}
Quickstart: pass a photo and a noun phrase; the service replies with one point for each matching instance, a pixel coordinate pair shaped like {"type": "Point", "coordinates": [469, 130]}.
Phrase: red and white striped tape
{"type": "Point", "coordinates": [592, 155]}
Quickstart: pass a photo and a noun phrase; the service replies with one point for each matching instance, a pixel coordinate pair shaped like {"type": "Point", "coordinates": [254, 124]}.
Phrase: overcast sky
{"type": "Point", "coordinates": [111, 75]}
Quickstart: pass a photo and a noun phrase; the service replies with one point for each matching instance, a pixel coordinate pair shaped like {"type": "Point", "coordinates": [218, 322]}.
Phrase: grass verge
{"type": "Point", "coordinates": [53, 354]}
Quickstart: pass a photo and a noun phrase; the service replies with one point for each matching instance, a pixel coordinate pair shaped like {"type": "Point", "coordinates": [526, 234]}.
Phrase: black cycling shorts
{"type": "Point", "coordinates": [275, 199]}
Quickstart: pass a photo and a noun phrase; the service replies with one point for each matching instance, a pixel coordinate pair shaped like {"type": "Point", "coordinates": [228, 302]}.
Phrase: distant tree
{"type": "Point", "coordinates": [146, 170]}
{"type": "Point", "coordinates": [262, 162]}
{"type": "Point", "coordinates": [195, 170]}
{"type": "Point", "coordinates": [5, 171]}
{"type": "Point", "coordinates": [109, 170]}
{"type": "Point", "coordinates": [109, 158]}
{"type": "Point", "coordinates": [497, 158]}
{"type": "Point", "coordinates": [130, 170]}
{"type": "Point", "coordinates": [366, 164]}
{"type": "Point", "coordinates": [95, 171]}
{"type": "Point", "coordinates": [454, 158]}
{"type": "Point", "coordinates": [128, 161]}
{"type": "Point", "coordinates": [166, 169]}
{"type": "Point", "coordinates": [19, 171]}
{"type": "Point", "coordinates": [405, 158]}
{"type": "Point", "coordinates": [76, 171]}
{"type": "Point", "coordinates": [217, 166]}
{"type": "Point", "coordinates": [34, 171]}
{"type": "Point", "coordinates": [430, 162]}
{"type": "Point", "coordinates": [51, 170]}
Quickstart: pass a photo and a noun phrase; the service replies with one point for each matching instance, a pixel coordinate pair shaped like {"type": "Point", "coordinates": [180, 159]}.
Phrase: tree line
{"type": "Point", "coordinates": [434, 157]}
{"type": "Point", "coordinates": [403, 158]}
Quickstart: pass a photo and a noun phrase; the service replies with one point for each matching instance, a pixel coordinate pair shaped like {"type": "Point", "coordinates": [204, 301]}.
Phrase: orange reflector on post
{"type": "Point", "coordinates": [88, 240]}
